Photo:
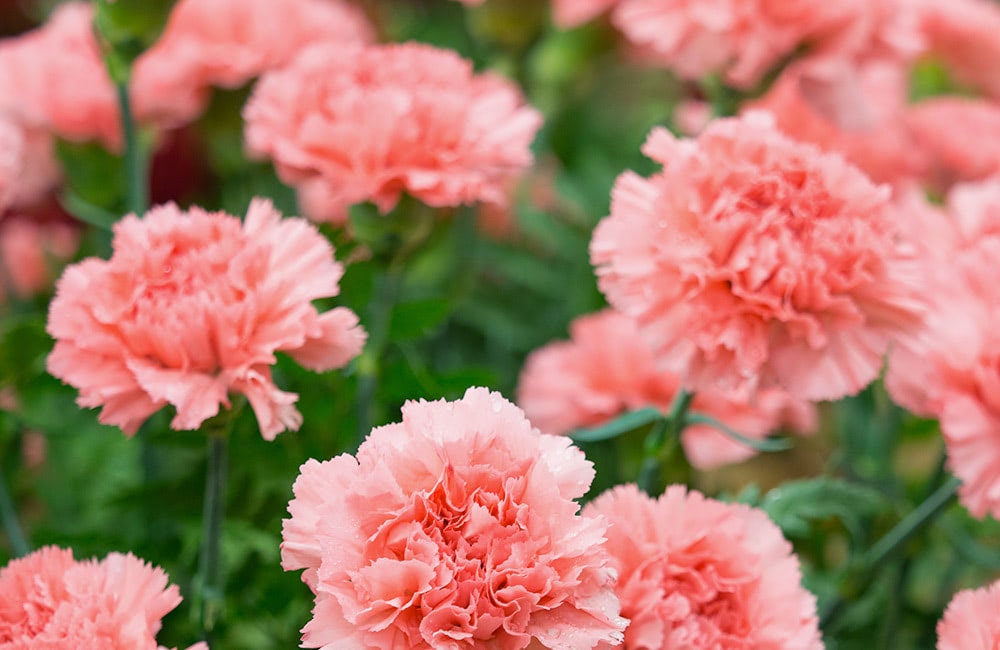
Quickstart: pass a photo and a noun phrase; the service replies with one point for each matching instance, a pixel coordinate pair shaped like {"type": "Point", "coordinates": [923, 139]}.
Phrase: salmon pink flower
{"type": "Point", "coordinates": [31, 249]}
{"type": "Point", "coordinates": [753, 261]}
{"type": "Point", "coordinates": [191, 307]}
{"type": "Point", "coordinates": [699, 573]}
{"type": "Point", "coordinates": [970, 622]}
{"type": "Point", "coordinates": [455, 528]}
{"type": "Point", "coordinates": [346, 125]}
{"type": "Point", "coordinates": [567, 14]}
{"type": "Point", "coordinates": [49, 601]}
{"type": "Point", "coordinates": [959, 136]}
{"type": "Point", "coordinates": [962, 34]}
{"type": "Point", "coordinates": [951, 368]}
{"type": "Point", "coordinates": [607, 369]}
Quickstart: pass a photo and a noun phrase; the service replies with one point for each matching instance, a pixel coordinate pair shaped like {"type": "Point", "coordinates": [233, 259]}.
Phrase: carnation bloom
{"type": "Point", "coordinates": [229, 42]}
{"type": "Point", "coordinates": [754, 261]}
{"type": "Point", "coordinates": [346, 125]}
{"type": "Point", "coordinates": [606, 369]}
{"type": "Point", "coordinates": [949, 370]}
{"type": "Point", "coordinates": [192, 306]}
{"type": "Point", "coordinates": [971, 622]}
{"type": "Point", "coordinates": [860, 118]}
{"type": "Point", "coordinates": [49, 601]}
{"type": "Point", "coordinates": [699, 573]}
{"type": "Point", "coordinates": [962, 33]}
{"type": "Point", "coordinates": [30, 249]}
{"type": "Point", "coordinates": [743, 39]}
{"type": "Point", "coordinates": [455, 528]}
{"type": "Point", "coordinates": [570, 13]}
{"type": "Point", "coordinates": [959, 136]}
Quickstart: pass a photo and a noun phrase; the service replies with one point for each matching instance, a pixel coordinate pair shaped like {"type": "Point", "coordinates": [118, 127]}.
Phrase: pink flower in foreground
{"type": "Point", "coordinates": [455, 528]}
{"type": "Point", "coordinates": [49, 601]}
{"type": "Point", "coordinates": [971, 622]}
{"type": "Point", "coordinates": [366, 124]}
{"type": "Point", "coordinates": [754, 261]}
{"type": "Point", "coordinates": [229, 42]}
{"type": "Point", "coordinates": [744, 39]}
{"type": "Point", "coordinates": [951, 368]}
{"type": "Point", "coordinates": [959, 136]}
{"type": "Point", "coordinates": [699, 573]}
{"type": "Point", "coordinates": [191, 307]}
{"type": "Point", "coordinates": [962, 33]}
{"type": "Point", "coordinates": [570, 13]}
{"type": "Point", "coordinates": [606, 370]}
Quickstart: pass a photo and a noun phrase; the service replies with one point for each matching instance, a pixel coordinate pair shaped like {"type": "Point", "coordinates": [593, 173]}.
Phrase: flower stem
{"type": "Point", "coordinates": [15, 534]}
{"type": "Point", "coordinates": [370, 363]}
{"type": "Point", "coordinates": [666, 430]}
{"type": "Point", "coordinates": [210, 570]}
{"type": "Point", "coordinates": [137, 197]}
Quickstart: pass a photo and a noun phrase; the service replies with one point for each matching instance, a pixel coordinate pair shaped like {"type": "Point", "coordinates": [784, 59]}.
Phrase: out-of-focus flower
{"type": "Point", "coordinates": [31, 250]}
{"type": "Point", "coordinates": [744, 39]}
{"type": "Point", "coordinates": [571, 13]}
{"type": "Point", "coordinates": [970, 622]}
{"type": "Point", "coordinates": [699, 573]}
{"type": "Point", "coordinates": [862, 119]}
{"type": "Point", "coordinates": [606, 369]}
{"type": "Point", "coordinates": [192, 306]}
{"type": "Point", "coordinates": [754, 261]}
{"type": "Point", "coordinates": [229, 42]}
{"type": "Point", "coordinates": [960, 137]}
{"type": "Point", "coordinates": [962, 33]}
{"type": "Point", "coordinates": [346, 125]}
{"type": "Point", "coordinates": [50, 601]}
{"type": "Point", "coordinates": [949, 370]}
{"type": "Point", "coordinates": [692, 116]}
{"type": "Point", "coordinates": [454, 528]}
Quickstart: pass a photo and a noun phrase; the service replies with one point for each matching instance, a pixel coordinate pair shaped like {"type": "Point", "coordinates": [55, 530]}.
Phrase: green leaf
{"type": "Point", "coordinates": [620, 425]}
{"type": "Point", "coordinates": [797, 505]}
{"type": "Point", "coordinates": [411, 320]}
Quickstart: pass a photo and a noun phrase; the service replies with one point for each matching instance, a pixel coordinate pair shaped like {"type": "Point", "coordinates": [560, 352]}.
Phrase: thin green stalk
{"type": "Point", "coordinates": [663, 431]}
{"type": "Point", "coordinates": [11, 524]}
{"type": "Point", "coordinates": [765, 445]}
{"type": "Point", "coordinates": [210, 568]}
{"type": "Point", "coordinates": [136, 173]}
{"type": "Point", "coordinates": [370, 363]}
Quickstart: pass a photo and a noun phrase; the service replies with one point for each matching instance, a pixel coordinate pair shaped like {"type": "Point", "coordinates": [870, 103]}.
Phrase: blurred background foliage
{"type": "Point", "coordinates": [448, 306]}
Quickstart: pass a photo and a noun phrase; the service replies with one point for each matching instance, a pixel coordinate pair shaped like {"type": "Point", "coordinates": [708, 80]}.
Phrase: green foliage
{"type": "Point", "coordinates": [797, 507]}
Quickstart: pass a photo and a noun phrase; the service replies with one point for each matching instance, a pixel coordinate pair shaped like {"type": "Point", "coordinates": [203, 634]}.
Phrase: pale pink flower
{"type": "Point", "coordinates": [32, 250]}
{"type": "Point", "coordinates": [607, 369]}
{"type": "Point", "coordinates": [692, 116]}
{"type": "Point", "coordinates": [49, 601]}
{"type": "Point", "coordinates": [698, 573]}
{"type": "Point", "coordinates": [754, 261]}
{"type": "Point", "coordinates": [970, 622]}
{"type": "Point", "coordinates": [346, 125]}
{"type": "Point", "coordinates": [455, 528]}
{"type": "Point", "coordinates": [192, 307]}
{"type": "Point", "coordinates": [959, 136]}
{"type": "Point", "coordinates": [962, 33]}
{"type": "Point", "coordinates": [567, 14]}
{"type": "Point", "coordinates": [229, 42]}
{"type": "Point", "coordinates": [744, 39]}
{"type": "Point", "coordinates": [861, 118]}
{"type": "Point", "coordinates": [949, 368]}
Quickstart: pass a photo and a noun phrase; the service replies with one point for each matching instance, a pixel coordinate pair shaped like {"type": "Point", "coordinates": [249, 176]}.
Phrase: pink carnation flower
{"type": "Point", "coordinates": [31, 250]}
{"type": "Point", "coordinates": [606, 369]}
{"type": "Point", "coordinates": [49, 601]}
{"type": "Point", "coordinates": [754, 261]}
{"type": "Point", "coordinates": [971, 622]}
{"type": "Point", "coordinates": [744, 39]}
{"type": "Point", "coordinates": [960, 137]}
{"type": "Point", "coordinates": [860, 118]}
{"type": "Point", "coordinates": [192, 306]}
{"type": "Point", "coordinates": [455, 528]}
{"type": "Point", "coordinates": [229, 42]}
{"type": "Point", "coordinates": [571, 13]}
{"type": "Point", "coordinates": [962, 33]}
{"type": "Point", "coordinates": [948, 369]}
{"type": "Point", "coordinates": [699, 573]}
{"type": "Point", "coordinates": [366, 124]}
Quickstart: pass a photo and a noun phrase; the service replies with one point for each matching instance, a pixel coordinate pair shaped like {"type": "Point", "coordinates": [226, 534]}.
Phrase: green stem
{"type": "Point", "coordinates": [210, 570]}
{"type": "Point", "coordinates": [137, 198]}
{"type": "Point", "coordinates": [773, 444]}
{"type": "Point", "coordinates": [370, 364]}
{"type": "Point", "coordinates": [667, 429]}
{"type": "Point", "coordinates": [12, 525]}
